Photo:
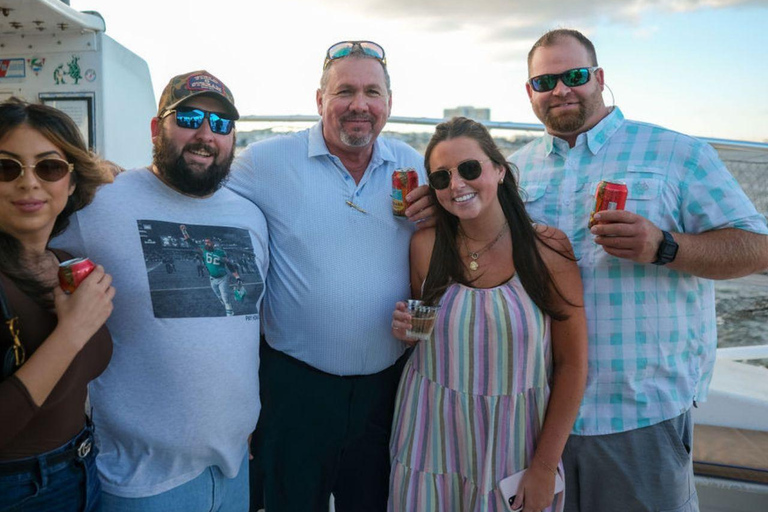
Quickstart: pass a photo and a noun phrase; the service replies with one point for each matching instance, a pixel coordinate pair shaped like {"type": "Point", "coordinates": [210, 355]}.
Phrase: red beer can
{"type": "Point", "coordinates": [72, 272]}
{"type": "Point", "coordinates": [403, 182]}
{"type": "Point", "coordinates": [608, 196]}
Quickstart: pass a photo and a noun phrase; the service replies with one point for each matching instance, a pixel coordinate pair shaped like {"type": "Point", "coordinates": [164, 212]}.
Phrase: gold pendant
{"type": "Point", "coordinates": [473, 265]}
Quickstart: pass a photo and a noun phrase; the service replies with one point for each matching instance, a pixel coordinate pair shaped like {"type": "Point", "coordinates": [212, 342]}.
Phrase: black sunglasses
{"type": "Point", "coordinates": [47, 169]}
{"type": "Point", "coordinates": [192, 118]}
{"type": "Point", "coordinates": [571, 78]}
{"type": "Point", "coordinates": [344, 48]}
{"type": "Point", "coordinates": [468, 170]}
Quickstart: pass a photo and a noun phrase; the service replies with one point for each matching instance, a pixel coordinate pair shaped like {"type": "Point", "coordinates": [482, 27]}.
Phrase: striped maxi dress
{"type": "Point", "coordinates": [471, 402]}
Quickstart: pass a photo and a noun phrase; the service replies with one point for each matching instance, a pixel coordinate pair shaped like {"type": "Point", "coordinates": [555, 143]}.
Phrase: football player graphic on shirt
{"type": "Point", "coordinates": [218, 265]}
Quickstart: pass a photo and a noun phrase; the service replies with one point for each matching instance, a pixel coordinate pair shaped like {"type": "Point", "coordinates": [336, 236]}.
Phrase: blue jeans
{"type": "Point", "coordinates": [211, 491]}
{"type": "Point", "coordinates": [67, 486]}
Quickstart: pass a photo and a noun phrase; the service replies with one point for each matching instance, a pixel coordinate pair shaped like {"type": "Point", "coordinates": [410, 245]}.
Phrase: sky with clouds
{"type": "Point", "coordinates": [697, 66]}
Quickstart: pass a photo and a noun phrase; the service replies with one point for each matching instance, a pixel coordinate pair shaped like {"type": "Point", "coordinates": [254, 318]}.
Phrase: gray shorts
{"type": "Point", "coordinates": [647, 469]}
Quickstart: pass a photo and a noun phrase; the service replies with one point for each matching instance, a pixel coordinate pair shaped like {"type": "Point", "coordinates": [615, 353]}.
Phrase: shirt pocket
{"type": "Point", "coordinates": [645, 186]}
{"type": "Point", "coordinates": [533, 197]}
{"type": "Point", "coordinates": [565, 206]}
{"type": "Point", "coordinates": [532, 193]}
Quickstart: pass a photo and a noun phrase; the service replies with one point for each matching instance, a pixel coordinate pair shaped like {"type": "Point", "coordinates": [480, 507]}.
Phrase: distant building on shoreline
{"type": "Point", "coordinates": [478, 114]}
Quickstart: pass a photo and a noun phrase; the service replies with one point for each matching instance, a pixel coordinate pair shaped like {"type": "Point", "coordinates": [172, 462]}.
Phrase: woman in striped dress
{"type": "Point", "coordinates": [497, 387]}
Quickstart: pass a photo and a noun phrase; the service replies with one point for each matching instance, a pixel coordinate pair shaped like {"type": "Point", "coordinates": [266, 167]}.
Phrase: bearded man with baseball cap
{"type": "Point", "coordinates": [177, 404]}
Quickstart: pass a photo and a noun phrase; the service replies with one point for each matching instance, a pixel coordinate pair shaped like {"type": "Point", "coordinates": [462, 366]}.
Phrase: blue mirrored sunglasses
{"type": "Point", "coordinates": [344, 48]}
{"type": "Point", "coordinates": [192, 118]}
{"type": "Point", "coordinates": [571, 78]}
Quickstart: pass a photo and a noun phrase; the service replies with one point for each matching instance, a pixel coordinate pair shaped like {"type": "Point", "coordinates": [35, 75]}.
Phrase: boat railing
{"type": "Point", "coordinates": [494, 125]}
{"type": "Point", "coordinates": [743, 353]}
{"type": "Point", "coordinates": [420, 121]}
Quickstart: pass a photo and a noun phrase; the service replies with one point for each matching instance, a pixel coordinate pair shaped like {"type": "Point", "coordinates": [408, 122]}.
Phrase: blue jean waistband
{"type": "Point", "coordinates": [76, 448]}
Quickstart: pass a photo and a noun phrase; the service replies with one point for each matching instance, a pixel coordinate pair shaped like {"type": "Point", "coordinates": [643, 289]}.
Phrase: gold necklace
{"type": "Point", "coordinates": [473, 265]}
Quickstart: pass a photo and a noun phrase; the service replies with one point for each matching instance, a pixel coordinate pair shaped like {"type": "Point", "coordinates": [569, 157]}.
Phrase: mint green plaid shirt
{"type": "Point", "coordinates": [652, 330]}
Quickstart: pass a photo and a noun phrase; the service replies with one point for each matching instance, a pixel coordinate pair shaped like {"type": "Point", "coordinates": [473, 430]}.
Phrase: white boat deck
{"type": "Point", "coordinates": [738, 398]}
{"type": "Point", "coordinates": [738, 395]}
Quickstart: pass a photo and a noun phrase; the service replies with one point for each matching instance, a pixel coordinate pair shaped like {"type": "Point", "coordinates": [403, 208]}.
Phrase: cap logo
{"type": "Point", "coordinates": [183, 87]}
{"type": "Point", "coordinates": [204, 83]}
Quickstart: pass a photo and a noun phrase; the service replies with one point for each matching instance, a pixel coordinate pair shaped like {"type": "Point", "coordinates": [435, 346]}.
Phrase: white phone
{"type": "Point", "coordinates": [509, 485]}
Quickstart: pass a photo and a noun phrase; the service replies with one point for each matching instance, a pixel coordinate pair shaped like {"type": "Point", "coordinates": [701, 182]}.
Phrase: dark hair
{"type": "Point", "coordinates": [446, 266]}
{"type": "Point", "coordinates": [88, 175]}
{"type": "Point", "coordinates": [554, 36]}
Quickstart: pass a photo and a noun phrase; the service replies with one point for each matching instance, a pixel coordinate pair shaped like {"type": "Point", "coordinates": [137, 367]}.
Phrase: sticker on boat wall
{"type": "Point", "coordinates": [72, 71]}
{"type": "Point", "coordinates": [36, 64]}
{"type": "Point", "coordinates": [12, 68]}
{"type": "Point", "coordinates": [90, 74]}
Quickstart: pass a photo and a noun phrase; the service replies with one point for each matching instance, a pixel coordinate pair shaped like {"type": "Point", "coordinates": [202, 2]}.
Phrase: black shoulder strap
{"type": "Point", "coordinates": [13, 356]}
{"type": "Point", "coordinates": [5, 306]}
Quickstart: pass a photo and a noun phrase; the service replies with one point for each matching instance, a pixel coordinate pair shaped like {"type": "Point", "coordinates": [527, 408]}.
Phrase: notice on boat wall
{"type": "Point", "coordinates": [77, 106]}
{"type": "Point", "coordinates": [12, 69]}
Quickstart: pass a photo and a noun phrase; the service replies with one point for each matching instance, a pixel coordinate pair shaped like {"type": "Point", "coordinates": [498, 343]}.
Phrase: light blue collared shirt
{"type": "Point", "coordinates": [336, 271]}
{"type": "Point", "coordinates": [652, 330]}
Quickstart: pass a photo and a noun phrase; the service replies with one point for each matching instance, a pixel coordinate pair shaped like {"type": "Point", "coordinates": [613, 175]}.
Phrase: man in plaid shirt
{"type": "Point", "coordinates": [647, 273]}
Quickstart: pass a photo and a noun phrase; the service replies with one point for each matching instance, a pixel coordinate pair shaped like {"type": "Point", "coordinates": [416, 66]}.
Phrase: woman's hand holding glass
{"type": "Point", "coordinates": [401, 322]}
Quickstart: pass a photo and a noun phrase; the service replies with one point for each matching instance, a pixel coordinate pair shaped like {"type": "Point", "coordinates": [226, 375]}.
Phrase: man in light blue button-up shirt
{"type": "Point", "coordinates": [647, 273]}
{"type": "Point", "coordinates": [330, 365]}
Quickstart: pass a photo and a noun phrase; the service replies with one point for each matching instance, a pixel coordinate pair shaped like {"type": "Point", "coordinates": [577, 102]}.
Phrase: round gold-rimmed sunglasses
{"type": "Point", "coordinates": [47, 169]}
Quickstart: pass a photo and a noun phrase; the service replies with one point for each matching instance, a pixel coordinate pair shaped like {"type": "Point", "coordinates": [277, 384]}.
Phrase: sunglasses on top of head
{"type": "Point", "coordinates": [571, 78]}
{"type": "Point", "coordinates": [344, 48]}
{"type": "Point", "coordinates": [192, 118]}
{"type": "Point", "coordinates": [47, 169]}
{"type": "Point", "coordinates": [468, 170]}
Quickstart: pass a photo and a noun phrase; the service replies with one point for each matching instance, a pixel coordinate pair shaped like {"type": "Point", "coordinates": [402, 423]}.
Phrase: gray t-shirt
{"type": "Point", "coordinates": [181, 392]}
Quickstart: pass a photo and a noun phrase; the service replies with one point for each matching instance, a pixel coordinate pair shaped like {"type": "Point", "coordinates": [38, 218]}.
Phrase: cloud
{"type": "Point", "coordinates": [523, 21]}
{"type": "Point", "coordinates": [484, 10]}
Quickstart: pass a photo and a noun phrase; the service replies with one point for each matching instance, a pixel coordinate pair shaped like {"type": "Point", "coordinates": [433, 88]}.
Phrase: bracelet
{"type": "Point", "coordinates": [554, 471]}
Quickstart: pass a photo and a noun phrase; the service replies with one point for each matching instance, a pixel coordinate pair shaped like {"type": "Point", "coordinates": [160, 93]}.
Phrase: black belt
{"type": "Point", "coordinates": [83, 446]}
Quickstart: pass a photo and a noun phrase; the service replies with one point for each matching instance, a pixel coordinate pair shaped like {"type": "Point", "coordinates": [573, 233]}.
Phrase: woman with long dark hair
{"type": "Point", "coordinates": [55, 343]}
{"type": "Point", "coordinates": [496, 389]}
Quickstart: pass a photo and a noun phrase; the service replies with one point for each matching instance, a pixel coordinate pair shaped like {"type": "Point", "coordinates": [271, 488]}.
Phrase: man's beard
{"type": "Point", "coordinates": [571, 122]}
{"type": "Point", "coordinates": [183, 177]}
{"type": "Point", "coordinates": [568, 122]}
{"type": "Point", "coordinates": [356, 141]}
